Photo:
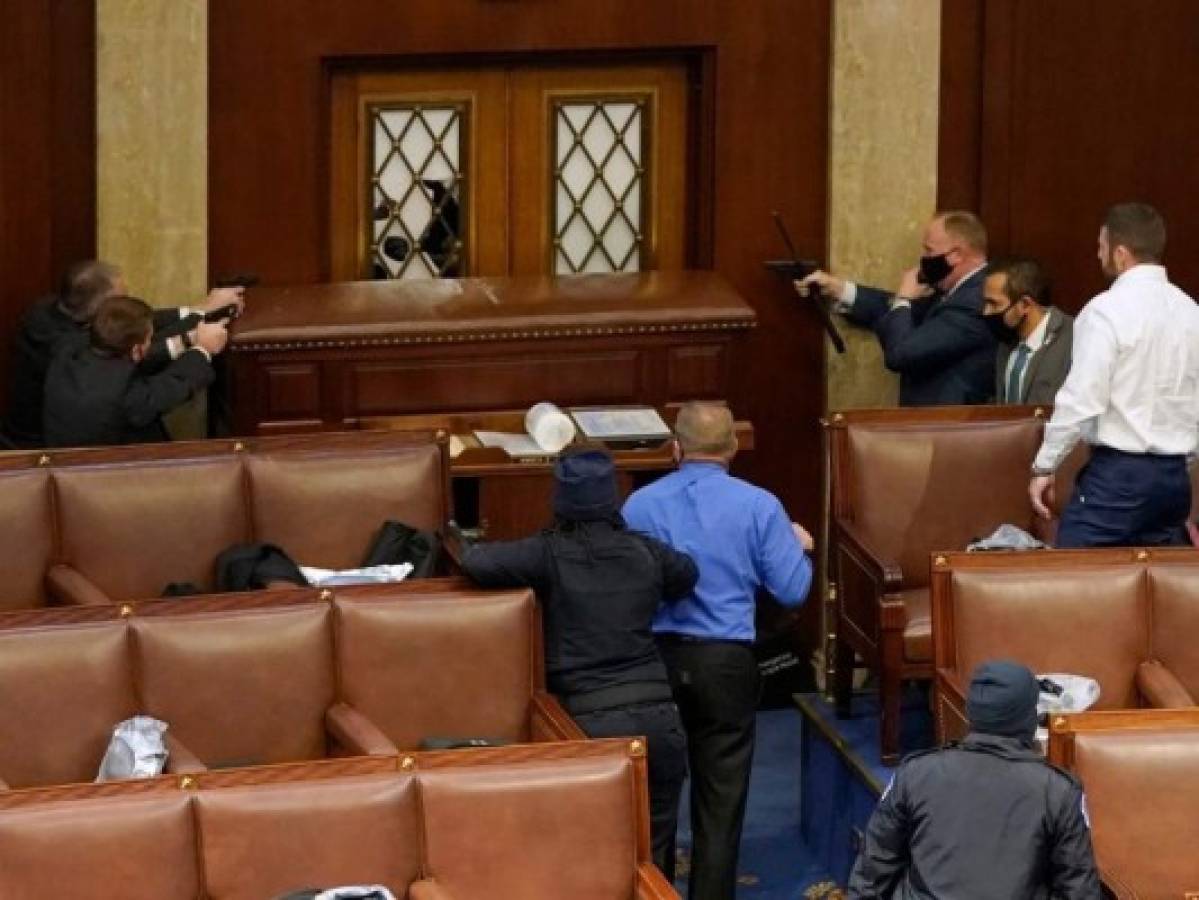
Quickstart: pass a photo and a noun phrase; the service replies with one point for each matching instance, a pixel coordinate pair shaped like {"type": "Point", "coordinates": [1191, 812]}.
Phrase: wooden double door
{"type": "Point", "coordinates": [510, 170]}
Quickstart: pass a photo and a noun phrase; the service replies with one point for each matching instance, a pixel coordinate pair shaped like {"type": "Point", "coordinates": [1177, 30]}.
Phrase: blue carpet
{"type": "Point", "coordinates": [842, 774]}
{"type": "Point", "coordinates": [774, 863]}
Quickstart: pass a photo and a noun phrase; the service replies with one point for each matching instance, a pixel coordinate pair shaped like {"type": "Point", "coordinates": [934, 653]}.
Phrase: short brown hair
{"type": "Point", "coordinates": [966, 227]}
{"type": "Point", "coordinates": [84, 285]}
{"type": "Point", "coordinates": [1025, 278]}
{"type": "Point", "coordinates": [120, 324]}
{"type": "Point", "coordinates": [705, 429]}
{"type": "Point", "coordinates": [1139, 228]}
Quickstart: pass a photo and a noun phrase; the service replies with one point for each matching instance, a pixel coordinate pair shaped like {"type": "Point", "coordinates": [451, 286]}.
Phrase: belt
{"type": "Point", "coordinates": [1104, 450]}
{"type": "Point", "coordinates": [673, 637]}
{"type": "Point", "coordinates": [617, 696]}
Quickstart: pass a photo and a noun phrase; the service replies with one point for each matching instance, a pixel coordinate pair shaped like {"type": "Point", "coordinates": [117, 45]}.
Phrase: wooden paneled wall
{"type": "Point", "coordinates": [47, 151]}
{"type": "Point", "coordinates": [765, 98]}
{"type": "Point", "coordinates": [1051, 112]}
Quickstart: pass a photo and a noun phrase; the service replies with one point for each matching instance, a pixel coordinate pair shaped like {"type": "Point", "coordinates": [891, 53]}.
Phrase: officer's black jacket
{"type": "Point", "coordinates": [95, 400]}
{"type": "Point", "coordinates": [43, 329]}
{"type": "Point", "coordinates": [599, 586]}
{"type": "Point", "coordinates": [985, 818]}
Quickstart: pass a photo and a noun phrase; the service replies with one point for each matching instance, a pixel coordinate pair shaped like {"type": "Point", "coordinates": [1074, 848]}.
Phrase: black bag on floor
{"type": "Point", "coordinates": [248, 567]}
{"type": "Point", "coordinates": [398, 543]}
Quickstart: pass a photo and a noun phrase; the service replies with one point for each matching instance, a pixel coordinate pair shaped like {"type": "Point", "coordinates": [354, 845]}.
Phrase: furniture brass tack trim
{"type": "Point", "coordinates": [326, 594]}
{"type": "Point", "coordinates": [187, 783]}
{"type": "Point", "coordinates": [44, 459]}
{"type": "Point", "coordinates": [407, 764]}
{"type": "Point", "coordinates": [940, 561]}
{"type": "Point", "coordinates": [467, 337]}
{"type": "Point", "coordinates": [126, 610]}
{"type": "Point", "coordinates": [636, 748]}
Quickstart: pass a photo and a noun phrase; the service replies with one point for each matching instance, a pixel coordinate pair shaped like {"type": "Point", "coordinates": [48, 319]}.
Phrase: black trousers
{"type": "Point", "coordinates": [716, 685]}
{"type": "Point", "coordinates": [1127, 500]}
{"type": "Point", "coordinates": [659, 723]}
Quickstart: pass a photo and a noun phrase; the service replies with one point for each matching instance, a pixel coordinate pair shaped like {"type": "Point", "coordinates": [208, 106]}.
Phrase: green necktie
{"type": "Point", "coordinates": [1013, 379]}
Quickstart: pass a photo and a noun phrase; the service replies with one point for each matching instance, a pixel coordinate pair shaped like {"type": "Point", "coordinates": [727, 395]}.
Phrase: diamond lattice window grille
{"type": "Point", "coordinates": [417, 220]}
{"type": "Point", "coordinates": [600, 147]}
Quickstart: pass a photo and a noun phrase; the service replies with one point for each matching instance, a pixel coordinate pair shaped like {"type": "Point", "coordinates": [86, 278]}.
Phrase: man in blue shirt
{"type": "Point", "coordinates": [742, 541]}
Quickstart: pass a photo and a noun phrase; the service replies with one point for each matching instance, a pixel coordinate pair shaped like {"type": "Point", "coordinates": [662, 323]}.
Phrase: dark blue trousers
{"type": "Point", "coordinates": [1127, 500]}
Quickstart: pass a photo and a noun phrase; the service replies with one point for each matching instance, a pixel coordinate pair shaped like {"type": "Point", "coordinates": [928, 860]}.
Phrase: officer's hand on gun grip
{"type": "Point", "coordinates": [226, 296]}
{"type": "Point", "coordinates": [830, 285]}
{"type": "Point", "coordinates": [803, 537]}
{"type": "Point", "coordinates": [211, 337]}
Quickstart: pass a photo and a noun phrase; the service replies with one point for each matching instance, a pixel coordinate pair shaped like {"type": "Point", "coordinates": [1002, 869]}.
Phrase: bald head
{"type": "Point", "coordinates": [706, 429]}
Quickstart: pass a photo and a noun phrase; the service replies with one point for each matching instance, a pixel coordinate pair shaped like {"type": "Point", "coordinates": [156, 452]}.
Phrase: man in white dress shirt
{"type": "Point", "coordinates": [1132, 394]}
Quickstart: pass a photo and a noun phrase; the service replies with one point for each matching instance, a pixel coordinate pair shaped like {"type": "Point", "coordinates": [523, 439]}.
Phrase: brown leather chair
{"type": "Point", "coordinates": [63, 688]}
{"type": "Point", "coordinates": [27, 512]}
{"type": "Point", "coordinates": [263, 840]}
{"type": "Point", "coordinates": [905, 483]}
{"type": "Point", "coordinates": [415, 668]}
{"type": "Point", "coordinates": [567, 824]}
{"type": "Point", "coordinates": [136, 847]}
{"type": "Point", "coordinates": [121, 523]}
{"type": "Point", "coordinates": [1087, 612]}
{"type": "Point", "coordinates": [1140, 770]}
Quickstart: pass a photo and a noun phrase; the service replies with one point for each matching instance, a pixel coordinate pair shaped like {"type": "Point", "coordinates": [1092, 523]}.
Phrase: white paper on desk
{"type": "Point", "coordinates": [515, 445]}
{"type": "Point", "coordinates": [613, 424]}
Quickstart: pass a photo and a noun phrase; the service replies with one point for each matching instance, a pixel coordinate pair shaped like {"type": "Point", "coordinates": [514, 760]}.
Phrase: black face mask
{"type": "Point", "coordinates": [1001, 330]}
{"type": "Point", "coordinates": [934, 269]}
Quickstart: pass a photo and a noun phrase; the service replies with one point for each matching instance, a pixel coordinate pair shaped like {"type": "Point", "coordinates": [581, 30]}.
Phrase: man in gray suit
{"type": "Point", "coordinates": [1034, 337]}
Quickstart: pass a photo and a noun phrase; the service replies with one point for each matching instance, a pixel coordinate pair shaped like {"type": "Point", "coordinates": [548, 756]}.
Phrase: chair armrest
{"type": "Point", "coordinates": [1112, 886]}
{"type": "Point", "coordinates": [180, 760]}
{"type": "Point", "coordinates": [71, 588]}
{"type": "Point", "coordinates": [652, 884]}
{"type": "Point", "coordinates": [885, 573]}
{"type": "Point", "coordinates": [453, 549]}
{"type": "Point", "coordinates": [356, 733]}
{"type": "Point", "coordinates": [548, 721]}
{"type": "Point", "coordinates": [1161, 687]}
{"type": "Point", "coordinates": [428, 889]}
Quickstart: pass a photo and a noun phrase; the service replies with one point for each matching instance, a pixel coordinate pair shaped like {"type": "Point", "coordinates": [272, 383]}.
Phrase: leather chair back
{"type": "Point", "coordinates": [325, 508]}
{"type": "Point", "coordinates": [63, 688]}
{"type": "Point", "coordinates": [567, 825]}
{"type": "Point", "coordinates": [922, 487]}
{"type": "Point", "coordinates": [132, 847]}
{"type": "Point", "coordinates": [1086, 621]}
{"type": "Point", "coordinates": [134, 529]}
{"type": "Point", "coordinates": [1141, 786]}
{"type": "Point", "coordinates": [240, 687]}
{"type": "Point", "coordinates": [25, 509]}
{"type": "Point", "coordinates": [1175, 621]}
{"type": "Point", "coordinates": [439, 667]}
{"type": "Point", "coordinates": [266, 840]}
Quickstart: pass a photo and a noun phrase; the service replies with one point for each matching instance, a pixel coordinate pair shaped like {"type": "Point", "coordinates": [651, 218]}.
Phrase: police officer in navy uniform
{"type": "Point", "coordinates": [599, 585]}
{"type": "Point", "coordinates": [983, 818]}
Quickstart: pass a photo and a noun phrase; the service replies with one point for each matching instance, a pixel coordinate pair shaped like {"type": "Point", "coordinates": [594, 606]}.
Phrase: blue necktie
{"type": "Point", "coordinates": [1013, 379]}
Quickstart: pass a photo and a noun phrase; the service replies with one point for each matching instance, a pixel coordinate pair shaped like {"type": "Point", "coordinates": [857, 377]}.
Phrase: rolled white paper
{"type": "Point", "coordinates": [551, 428]}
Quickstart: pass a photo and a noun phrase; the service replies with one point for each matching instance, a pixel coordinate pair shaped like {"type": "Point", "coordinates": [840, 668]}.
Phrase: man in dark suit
{"type": "Point", "coordinates": [1034, 337]}
{"type": "Point", "coordinates": [931, 330]}
{"type": "Point", "coordinates": [99, 391]}
{"type": "Point", "coordinates": [66, 314]}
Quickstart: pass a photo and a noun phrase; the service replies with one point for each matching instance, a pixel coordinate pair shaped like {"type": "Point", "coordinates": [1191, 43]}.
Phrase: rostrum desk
{"type": "Point", "coordinates": [324, 357]}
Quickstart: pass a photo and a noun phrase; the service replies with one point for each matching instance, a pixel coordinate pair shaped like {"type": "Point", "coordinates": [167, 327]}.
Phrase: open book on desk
{"type": "Point", "coordinates": [622, 427]}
